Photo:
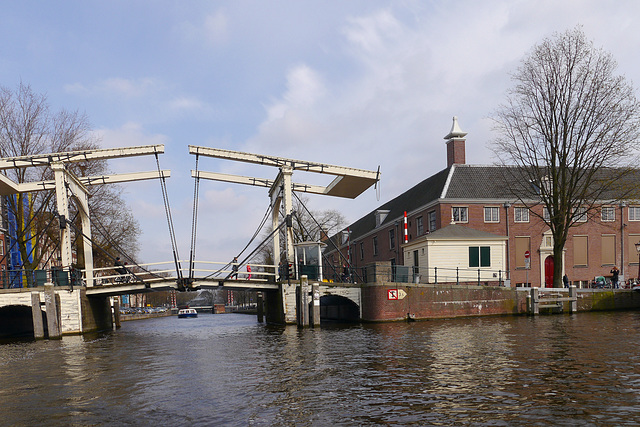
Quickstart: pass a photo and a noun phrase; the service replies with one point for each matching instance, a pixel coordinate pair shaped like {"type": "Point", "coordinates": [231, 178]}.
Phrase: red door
{"type": "Point", "coordinates": [548, 272]}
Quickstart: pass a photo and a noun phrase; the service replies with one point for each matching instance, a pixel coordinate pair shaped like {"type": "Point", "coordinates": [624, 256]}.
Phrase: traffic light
{"type": "Point", "coordinates": [290, 272]}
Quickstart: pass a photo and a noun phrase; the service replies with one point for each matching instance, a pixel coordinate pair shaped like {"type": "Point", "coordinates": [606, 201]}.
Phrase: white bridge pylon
{"type": "Point", "coordinates": [70, 187]}
{"type": "Point", "coordinates": [348, 182]}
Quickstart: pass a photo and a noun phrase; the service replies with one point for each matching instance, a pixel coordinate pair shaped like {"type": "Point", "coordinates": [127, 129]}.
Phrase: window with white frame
{"type": "Point", "coordinates": [460, 214]}
{"type": "Point", "coordinates": [375, 245]}
{"type": "Point", "coordinates": [419, 226]}
{"type": "Point", "coordinates": [545, 214]}
{"type": "Point", "coordinates": [521, 214]}
{"type": "Point", "coordinates": [580, 214]}
{"type": "Point", "coordinates": [608, 213]}
{"type": "Point", "coordinates": [491, 214]}
{"type": "Point", "coordinates": [634, 213]}
{"type": "Point", "coordinates": [432, 221]}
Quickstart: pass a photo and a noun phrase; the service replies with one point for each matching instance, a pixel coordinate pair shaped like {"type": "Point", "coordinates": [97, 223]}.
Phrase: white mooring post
{"type": "Point", "coordinates": [315, 292]}
{"type": "Point", "coordinates": [573, 295]}
{"type": "Point", "coordinates": [534, 301]}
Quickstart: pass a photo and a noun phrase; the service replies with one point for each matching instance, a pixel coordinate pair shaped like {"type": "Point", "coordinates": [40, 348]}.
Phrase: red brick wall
{"type": "Point", "coordinates": [535, 228]}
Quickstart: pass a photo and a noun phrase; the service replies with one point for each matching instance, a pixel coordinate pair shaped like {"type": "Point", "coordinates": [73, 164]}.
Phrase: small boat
{"type": "Point", "coordinates": [187, 312]}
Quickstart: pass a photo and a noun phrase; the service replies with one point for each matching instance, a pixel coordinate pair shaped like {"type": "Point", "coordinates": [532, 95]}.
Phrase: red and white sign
{"type": "Point", "coordinates": [527, 254]}
{"type": "Point", "coordinates": [392, 294]}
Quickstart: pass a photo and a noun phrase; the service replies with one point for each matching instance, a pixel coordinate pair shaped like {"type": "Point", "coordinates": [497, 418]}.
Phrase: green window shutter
{"type": "Point", "coordinates": [485, 256]}
{"type": "Point", "coordinates": [474, 256]}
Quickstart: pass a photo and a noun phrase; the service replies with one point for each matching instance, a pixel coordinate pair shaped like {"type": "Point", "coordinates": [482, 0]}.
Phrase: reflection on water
{"type": "Point", "coordinates": [227, 369]}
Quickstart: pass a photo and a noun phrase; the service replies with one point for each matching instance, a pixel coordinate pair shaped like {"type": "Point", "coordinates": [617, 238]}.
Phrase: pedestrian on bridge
{"type": "Point", "coordinates": [234, 268]}
{"type": "Point", "coordinates": [120, 268]}
{"type": "Point", "coordinates": [249, 271]}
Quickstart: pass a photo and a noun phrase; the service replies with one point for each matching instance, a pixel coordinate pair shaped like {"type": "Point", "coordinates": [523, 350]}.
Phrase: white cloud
{"type": "Point", "coordinates": [130, 134]}
{"type": "Point", "coordinates": [117, 86]}
{"type": "Point", "coordinates": [212, 29]}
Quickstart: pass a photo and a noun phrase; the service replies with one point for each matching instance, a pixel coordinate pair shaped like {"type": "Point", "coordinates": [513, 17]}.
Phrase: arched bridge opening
{"type": "Point", "coordinates": [338, 309]}
{"type": "Point", "coordinates": [17, 321]}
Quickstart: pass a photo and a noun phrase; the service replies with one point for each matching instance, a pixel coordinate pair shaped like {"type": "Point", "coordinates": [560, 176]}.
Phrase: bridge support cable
{"type": "Point", "coordinates": [172, 233]}
{"type": "Point", "coordinates": [194, 219]}
{"type": "Point", "coordinates": [94, 244]}
{"type": "Point", "coordinates": [263, 243]}
{"type": "Point", "coordinates": [340, 255]}
{"type": "Point", "coordinates": [105, 234]}
{"type": "Point", "coordinates": [255, 234]}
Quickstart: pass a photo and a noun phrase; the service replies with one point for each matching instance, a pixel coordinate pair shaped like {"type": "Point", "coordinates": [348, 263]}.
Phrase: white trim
{"type": "Point", "coordinates": [445, 189]}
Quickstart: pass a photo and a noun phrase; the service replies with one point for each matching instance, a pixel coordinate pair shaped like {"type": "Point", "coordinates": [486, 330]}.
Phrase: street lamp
{"type": "Point", "coordinates": [638, 250]}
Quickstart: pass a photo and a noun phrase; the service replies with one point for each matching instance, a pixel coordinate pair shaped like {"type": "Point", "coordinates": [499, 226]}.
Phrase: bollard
{"type": "Point", "coordinates": [573, 294]}
{"type": "Point", "coordinates": [534, 301]}
{"type": "Point", "coordinates": [53, 327]}
{"type": "Point", "coordinates": [36, 312]}
{"type": "Point", "coordinates": [260, 307]}
{"type": "Point", "coordinates": [116, 313]}
{"type": "Point", "coordinates": [315, 291]}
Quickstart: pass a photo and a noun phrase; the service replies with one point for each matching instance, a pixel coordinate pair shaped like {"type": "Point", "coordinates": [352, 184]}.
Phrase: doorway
{"type": "Point", "coordinates": [548, 271]}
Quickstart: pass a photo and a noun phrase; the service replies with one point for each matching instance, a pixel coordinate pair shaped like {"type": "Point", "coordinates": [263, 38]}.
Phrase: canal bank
{"type": "Point", "coordinates": [393, 301]}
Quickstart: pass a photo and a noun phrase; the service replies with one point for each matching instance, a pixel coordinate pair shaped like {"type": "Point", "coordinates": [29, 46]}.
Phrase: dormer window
{"type": "Point", "coordinates": [381, 215]}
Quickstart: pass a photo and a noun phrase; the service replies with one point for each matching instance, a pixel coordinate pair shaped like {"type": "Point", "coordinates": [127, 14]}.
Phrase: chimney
{"type": "Point", "coordinates": [455, 144]}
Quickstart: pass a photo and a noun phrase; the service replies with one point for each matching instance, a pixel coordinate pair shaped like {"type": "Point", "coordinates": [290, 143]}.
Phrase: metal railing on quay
{"type": "Point", "coordinates": [419, 275]}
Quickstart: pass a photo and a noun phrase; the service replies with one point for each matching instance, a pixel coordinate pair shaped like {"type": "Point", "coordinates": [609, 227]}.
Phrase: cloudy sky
{"type": "Point", "coordinates": [359, 83]}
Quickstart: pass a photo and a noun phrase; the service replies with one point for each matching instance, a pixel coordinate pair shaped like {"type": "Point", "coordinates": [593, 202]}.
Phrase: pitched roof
{"type": "Point", "coordinates": [419, 195]}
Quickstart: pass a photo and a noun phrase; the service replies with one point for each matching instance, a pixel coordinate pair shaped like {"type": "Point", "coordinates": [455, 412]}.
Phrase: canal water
{"type": "Point", "coordinates": [580, 369]}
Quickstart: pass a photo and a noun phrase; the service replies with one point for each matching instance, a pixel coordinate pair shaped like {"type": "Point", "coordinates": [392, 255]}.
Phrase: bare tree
{"type": "Point", "coordinates": [308, 226]}
{"type": "Point", "coordinates": [27, 127]}
{"type": "Point", "coordinates": [569, 129]}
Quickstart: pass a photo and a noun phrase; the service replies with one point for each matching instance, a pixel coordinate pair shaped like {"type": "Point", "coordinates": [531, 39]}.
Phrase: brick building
{"type": "Point", "coordinates": [477, 197]}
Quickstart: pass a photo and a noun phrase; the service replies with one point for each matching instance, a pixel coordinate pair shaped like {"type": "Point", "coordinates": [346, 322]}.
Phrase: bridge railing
{"type": "Point", "coordinates": [22, 278]}
{"type": "Point", "coordinates": [161, 271]}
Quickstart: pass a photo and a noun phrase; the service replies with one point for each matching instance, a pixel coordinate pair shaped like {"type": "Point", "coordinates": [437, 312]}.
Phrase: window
{"type": "Point", "coordinates": [608, 249]}
{"type": "Point", "coordinates": [375, 245]}
{"type": "Point", "coordinates": [608, 213]}
{"type": "Point", "coordinates": [521, 214]}
{"type": "Point", "coordinates": [633, 253]}
{"type": "Point", "coordinates": [432, 221]}
{"type": "Point", "coordinates": [580, 214]}
{"type": "Point", "coordinates": [545, 214]}
{"type": "Point", "coordinates": [522, 245]}
{"type": "Point", "coordinates": [491, 214]}
{"type": "Point", "coordinates": [479, 256]}
{"type": "Point", "coordinates": [459, 214]}
{"type": "Point", "coordinates": [361, 250]}
{"type": "Point", "coordinates": [420, 228]}
{"type": "Point", "coordinates": [634, 213]}
{"type": "Point", "coordinates": [580, 251]}
{"type": "Point", "coordinates": [392, 238]}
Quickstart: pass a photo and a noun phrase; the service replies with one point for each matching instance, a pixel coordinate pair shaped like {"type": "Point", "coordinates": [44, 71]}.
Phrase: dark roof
{"type": "Point", "coordinates": [480, 182]}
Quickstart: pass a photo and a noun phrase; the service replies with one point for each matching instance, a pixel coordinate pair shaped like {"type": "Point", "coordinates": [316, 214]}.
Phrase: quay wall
{"type": "Point", "coordinates": [423, 301]}
{"type": "Point", "coordinates": [78, 313]}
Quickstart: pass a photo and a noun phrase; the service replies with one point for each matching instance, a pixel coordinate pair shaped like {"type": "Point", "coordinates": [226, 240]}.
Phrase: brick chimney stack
{"type": "Point", "coordinates": [455, 144]}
